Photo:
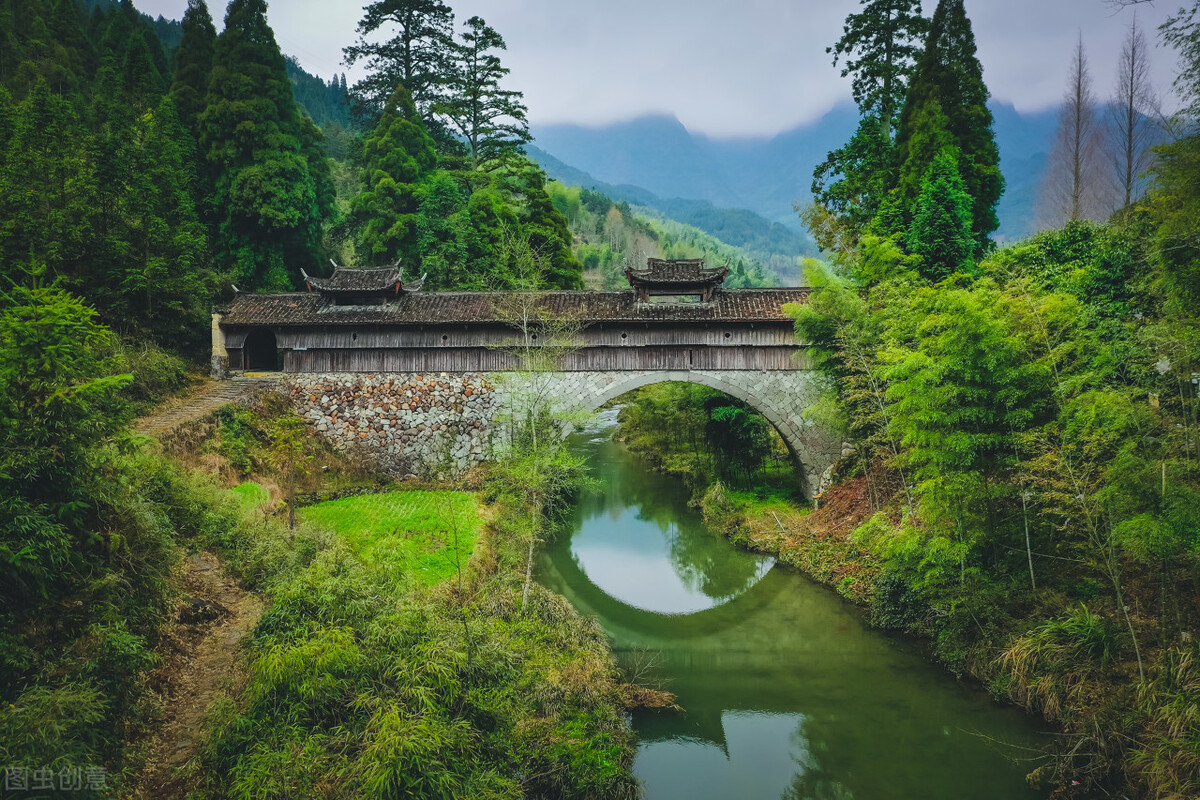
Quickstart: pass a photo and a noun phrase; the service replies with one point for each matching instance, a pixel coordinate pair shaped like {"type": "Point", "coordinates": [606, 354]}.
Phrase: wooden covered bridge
{"type": "Point", "coordinates": [674, 316]}
{"type": "Point", "coordinates": [675, 322]}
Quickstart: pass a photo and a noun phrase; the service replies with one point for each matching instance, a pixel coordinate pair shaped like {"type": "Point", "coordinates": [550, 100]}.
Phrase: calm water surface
{"type": "Point", "coordinates": [787, 694]}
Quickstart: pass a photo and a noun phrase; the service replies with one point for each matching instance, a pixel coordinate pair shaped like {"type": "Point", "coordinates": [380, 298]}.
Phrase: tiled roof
{"type": "Point", "coordinates": [682, 271]}
{"type": "Point", "coordinates": [356, 280]}
{"type": "Point", "coordinates": [433, 308]}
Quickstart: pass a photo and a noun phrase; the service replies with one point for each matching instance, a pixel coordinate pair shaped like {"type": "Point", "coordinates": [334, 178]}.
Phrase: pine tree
{"type": "Point", "coordinates": [163, 277]}
{"type": "Point", "coordinates": [396, 156]}
{"type": "Point", "coordinates": [941, 228]}
{"type": "Point", "coordinates": [949, 72]}
{"type": "Point", "coordinates": [253, 137]}
{"type": "Point", "coordinates": [49, 45]}
{"type": "Point", "coordinates": [193, 64]}
{"type": "Point", "coordinates": [47, 190]}
{"type": "Point", "coordinates": [490, 119]}
{"type": "Point", "coordinates": [880, 45]}
{"type": "Point", "coordinates": [417, 57]}
{"type": "Point", "coordinates": [547, 231]}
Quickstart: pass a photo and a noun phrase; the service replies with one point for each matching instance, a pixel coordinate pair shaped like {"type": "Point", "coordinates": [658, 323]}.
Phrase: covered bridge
{"type": "Point", "coordinates": [674, 316]}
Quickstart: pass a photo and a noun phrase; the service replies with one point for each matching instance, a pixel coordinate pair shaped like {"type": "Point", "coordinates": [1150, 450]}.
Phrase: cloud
{"type": "Point", "coordinates": [724, 67]}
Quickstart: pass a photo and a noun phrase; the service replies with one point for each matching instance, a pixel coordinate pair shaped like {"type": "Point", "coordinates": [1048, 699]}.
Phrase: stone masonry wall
{"type": "Point", "coordinates": [441, 424]}
{"type": "Point", "coordinates": [408, 424]}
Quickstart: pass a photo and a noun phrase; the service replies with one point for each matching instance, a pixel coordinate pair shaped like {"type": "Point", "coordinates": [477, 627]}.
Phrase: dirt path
{"type": "Point", "coordinates": [211, 395]}
{"type": "Point", "coordinates": [202, 658]}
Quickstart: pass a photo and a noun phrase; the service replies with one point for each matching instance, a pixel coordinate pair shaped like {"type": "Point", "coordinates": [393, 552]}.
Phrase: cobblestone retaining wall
{"type": "Point", "coordinates": [438, 424]}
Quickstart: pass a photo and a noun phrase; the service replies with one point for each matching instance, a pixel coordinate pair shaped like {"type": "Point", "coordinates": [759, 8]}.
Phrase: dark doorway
{"type": "Point", "coordinates": [261, 354]}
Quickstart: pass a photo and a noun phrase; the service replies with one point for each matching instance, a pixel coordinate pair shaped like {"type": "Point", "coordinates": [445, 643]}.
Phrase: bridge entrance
{"type": "Point", "coordinates": [260, 352]}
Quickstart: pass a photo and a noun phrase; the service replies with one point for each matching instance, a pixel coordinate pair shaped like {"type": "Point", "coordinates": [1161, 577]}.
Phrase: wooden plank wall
{"type": "Point", "coordinates": [591, 359]}
{"type": "Point", "coordinates": [592, 336]}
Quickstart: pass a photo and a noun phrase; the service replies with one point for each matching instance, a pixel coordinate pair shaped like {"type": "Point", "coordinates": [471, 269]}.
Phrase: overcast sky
{"type": "Point", "coordinates": [724, 67]}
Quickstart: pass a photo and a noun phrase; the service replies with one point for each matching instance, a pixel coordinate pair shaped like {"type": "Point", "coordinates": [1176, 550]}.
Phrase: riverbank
{"type": "Point", "coordinates": [411, 660]}
{"type": "Point", "coordinates": [786, 691]}
{"type": "Point", "coordinates": [1058, 650]}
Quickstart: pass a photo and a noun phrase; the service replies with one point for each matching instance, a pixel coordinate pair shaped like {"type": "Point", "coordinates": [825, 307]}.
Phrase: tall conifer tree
{"type": "Point", "coordinates": [879, 47]}
{"type": "Point", "coordinates": [490, 119]}
{"type": "Point", "coordinates": [941, 226]}
{"type": "Point", "coordinates": [47, 189]}
{"type": "Point", "coordinates": [417, 56]}
{"type": "Point", "coordinates": [253, 136]}
{"type": "Point", "coordinates": [396, 156]}
{"type": "Point", "coordinates": [193, 64]}
{"type": "Point", "coordinates": [949, 73]}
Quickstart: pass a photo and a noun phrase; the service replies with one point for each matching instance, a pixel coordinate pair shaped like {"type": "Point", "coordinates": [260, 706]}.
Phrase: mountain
{"type": "Point", "coordinates": [658, 155]}
{"type": "Point", "coordinates": [738, 227]}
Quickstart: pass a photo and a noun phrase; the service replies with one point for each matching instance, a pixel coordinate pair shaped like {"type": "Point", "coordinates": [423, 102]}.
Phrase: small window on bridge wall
{"type": "Point", "coordinates": [677, 298]}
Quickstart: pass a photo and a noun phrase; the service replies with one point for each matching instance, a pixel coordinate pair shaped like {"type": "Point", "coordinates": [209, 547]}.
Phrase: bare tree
{"type": "Point", "coordinates": [1072, 185]}
{"type": "Point", "coordinates": [1133, 116]}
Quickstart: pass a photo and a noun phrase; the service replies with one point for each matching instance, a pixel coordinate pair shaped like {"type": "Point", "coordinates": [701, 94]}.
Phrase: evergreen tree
{"type": "Point", "coordinates": [941, 228]}
{"type": "Point", "coordinates": [8, 121]}
{"type": "Point", "coordinates": [160, 276]}
{"type": "Point", "coordinates": [48, 44]}
{"type": "Point", "coordinates": [949, 72]}
{"type": "Point", "coordinates": [880, 47]}
{"type": "Point", "coordinates": [852, 181]}
{"type": "Point", "coordinates": [547, 231]}
{"type": "Point", "coordinates": [193, 64]}
{"type": "Point", "coordinates": [417, 57]}
{"type": "Point", "coordinates": [47, 189]}
{"type": "Point", "coordinates": [395, 157]}
{"type": "Point", "coordinates": [442, 232]}
{"type": "Point", "coordinates": [253, 137]}
{"type": "Point", "coordinates": [930, 137]}
{"type": "Point", "coordinates": [490, 119]}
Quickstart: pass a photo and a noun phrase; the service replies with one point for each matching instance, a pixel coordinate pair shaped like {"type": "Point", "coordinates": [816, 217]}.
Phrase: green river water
{"type": "Point", "coordinates": [787, 694]}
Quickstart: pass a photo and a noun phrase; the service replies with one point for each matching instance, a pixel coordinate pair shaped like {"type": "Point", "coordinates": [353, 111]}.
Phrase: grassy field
{"type": "Point", "coordinates": [409, 531]}
{"type": "Point", "coordinates": [250, 495]}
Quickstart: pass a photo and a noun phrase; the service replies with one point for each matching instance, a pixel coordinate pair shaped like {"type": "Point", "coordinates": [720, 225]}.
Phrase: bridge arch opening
{"type": "Point", "coordinates": [785, 433]}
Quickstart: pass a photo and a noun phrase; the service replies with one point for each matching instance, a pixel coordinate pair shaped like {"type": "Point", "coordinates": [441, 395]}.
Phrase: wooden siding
{"type": "Point", "coordinates": [597, 359]}
{"type": "Point", "coordinates": [312, 338]}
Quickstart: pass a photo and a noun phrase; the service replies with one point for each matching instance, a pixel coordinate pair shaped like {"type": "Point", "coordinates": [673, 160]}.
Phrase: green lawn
{"type": "Point", "coordinates": [408, 531]}
{"type": "Point", "coordinates": [250, 495]}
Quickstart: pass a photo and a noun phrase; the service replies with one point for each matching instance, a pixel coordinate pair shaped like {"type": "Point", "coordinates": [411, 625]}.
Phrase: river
{"type": "Point", "coordinates": [787, 693]}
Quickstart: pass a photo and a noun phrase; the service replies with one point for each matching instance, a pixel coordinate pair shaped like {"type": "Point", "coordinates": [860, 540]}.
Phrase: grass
{"type": "Point", "coordinates": [766, 500]}
{"type": "Point", "coordinates": [410, 531]}
{"type": "Point", "coordinates": [250, 495]}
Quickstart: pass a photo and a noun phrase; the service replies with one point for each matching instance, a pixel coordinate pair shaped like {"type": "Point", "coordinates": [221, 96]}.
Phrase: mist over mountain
{"type": "Point", "coordinates": [654, 160]}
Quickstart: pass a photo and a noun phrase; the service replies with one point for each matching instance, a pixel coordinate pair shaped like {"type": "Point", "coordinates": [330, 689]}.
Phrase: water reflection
{"type": "Point", "coordinates": [637, 541]}
{"type": "Point", "coordinates": [787, 694]}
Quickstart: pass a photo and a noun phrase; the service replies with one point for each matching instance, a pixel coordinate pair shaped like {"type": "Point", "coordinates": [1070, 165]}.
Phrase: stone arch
{"type": "Point", "coordinates": [812, 449]}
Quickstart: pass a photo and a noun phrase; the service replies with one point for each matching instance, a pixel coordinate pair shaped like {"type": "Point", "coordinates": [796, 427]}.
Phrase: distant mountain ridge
{"type": "Point", "coordinates": [738, 227]}
{"type": "Point", "coordinates": [656, 155]}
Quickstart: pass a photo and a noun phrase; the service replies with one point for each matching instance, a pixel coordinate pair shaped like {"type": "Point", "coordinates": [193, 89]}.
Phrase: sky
{"type": "Point", "coordinates": [726, 68]}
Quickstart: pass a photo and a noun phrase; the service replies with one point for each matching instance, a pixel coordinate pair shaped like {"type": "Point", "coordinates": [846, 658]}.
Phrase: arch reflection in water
{"type": "Point", "coordinates": [786, 693]}
{"type": "Point", "coordinates": [638, 542]}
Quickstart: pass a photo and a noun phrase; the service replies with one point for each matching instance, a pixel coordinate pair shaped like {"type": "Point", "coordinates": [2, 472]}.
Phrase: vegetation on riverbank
{"type": "Point", "coordinates": [368, 676]}
{"type": "Point", "coordinates": [363, 679]}
{"type": "Point", "coordinates": [702, 436]}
